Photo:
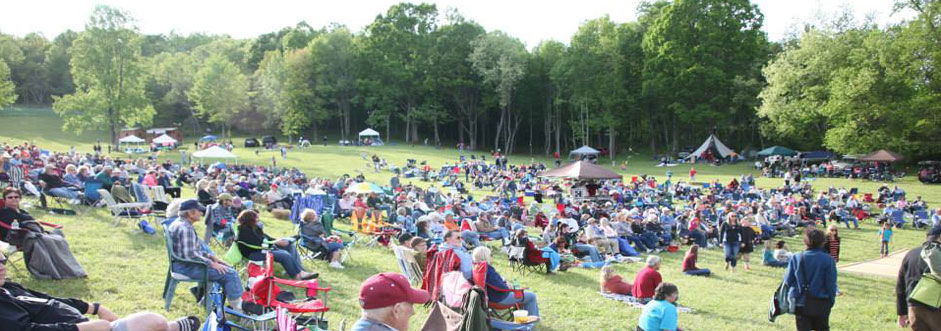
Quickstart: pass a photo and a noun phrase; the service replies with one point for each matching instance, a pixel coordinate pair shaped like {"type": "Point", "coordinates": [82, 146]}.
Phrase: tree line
{"type": "Point", "coordinates": [661, 83]}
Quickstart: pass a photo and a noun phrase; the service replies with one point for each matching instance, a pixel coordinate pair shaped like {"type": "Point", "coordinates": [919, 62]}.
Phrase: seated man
{"type": "Point", "coordinates": [486, 228]}
{"type": "Point", "coordinates": [186, 245]}
{"type": "Point", "coordinates": [647, 279]}
{"type": "Point", "coordinates": [454, 241]}
{"type": "Point", "coordinates": [24, 309]}
{"type": "Point", "coordinates": [55, 186]}
{"type": "Point", "coordinates": [219, 218]}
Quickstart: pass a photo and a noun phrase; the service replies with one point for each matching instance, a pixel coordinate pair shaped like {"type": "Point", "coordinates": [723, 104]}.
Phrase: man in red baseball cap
{"type": "Point", "coordinates": [387, 300]}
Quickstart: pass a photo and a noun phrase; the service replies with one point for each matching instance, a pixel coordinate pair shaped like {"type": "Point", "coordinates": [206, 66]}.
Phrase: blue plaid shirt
{"type": "Point", "coordinates": [186, 243]}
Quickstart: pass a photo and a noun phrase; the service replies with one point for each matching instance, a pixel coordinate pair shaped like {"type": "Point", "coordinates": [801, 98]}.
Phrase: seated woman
{"type": "Point", "coordinates": [312, 237]}
{"type": "Point", "coordinates": [689, 263]}
{"type": "Point", "coordinates": [56, 260]}
{"type": "Point", "coordinates": [534, 255]}
{"type": "Point", "coordinates": [611, 283]}
{"type": "Point", "coordinates": [202, 193]}
{"type": "Point", "coordinates": [768, 256]}
{"type": "Point", "coordinates": [19, 307]}
{"type": "Point", "coordinates": [660, 313]}
{"type": "Point", "coordinates": [250, 234]}
{"type": "Point", "coordinates": [497, 289]}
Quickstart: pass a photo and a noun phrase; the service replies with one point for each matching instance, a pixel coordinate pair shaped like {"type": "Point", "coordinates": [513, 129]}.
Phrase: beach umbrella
{"type": "Point", "coordinates": [365, 188]}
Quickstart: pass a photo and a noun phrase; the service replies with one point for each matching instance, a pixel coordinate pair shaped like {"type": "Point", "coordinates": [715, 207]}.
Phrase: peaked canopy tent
{"type": "Point", "coordinates": [164, 139]}
{"type": "Point", "coordinates": [582, 152]}
{"type": "Point", "coordinates": [214, 152]}
{"type": "Point", "coordinates": [711, 143]}
{"type": "Point", "coordinates": [370, 134]}
{"type": "Point", "coordinates": [581, 170]}
{"type": "Point", "coordinates": [777, 150]}
{"type": "Point", "coordinates": [132, 139]}
{"type": "Point", "coordinates": [882, 156]}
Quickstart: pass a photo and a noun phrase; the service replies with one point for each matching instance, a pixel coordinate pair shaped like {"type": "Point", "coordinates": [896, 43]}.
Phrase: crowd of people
{"type": "Point", "coordinates": [617, 222]}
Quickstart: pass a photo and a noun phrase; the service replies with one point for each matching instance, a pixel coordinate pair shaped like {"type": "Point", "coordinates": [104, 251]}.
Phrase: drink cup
{"type": "Point", "coordinates": [520, 316]}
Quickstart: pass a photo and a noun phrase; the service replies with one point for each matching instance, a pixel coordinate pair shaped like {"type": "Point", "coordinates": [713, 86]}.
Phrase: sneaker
{"type": "Point", "coordinates": [336, 265]}
{"type": "Point", "coordinates": [197, 293]}
{"type": "Point", "coordinates": [188, 323]}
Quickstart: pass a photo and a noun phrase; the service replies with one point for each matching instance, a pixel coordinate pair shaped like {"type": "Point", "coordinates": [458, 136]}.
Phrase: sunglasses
{"type": "Point", "coordinates": [13, 197]}
{"type": "Point", "coordinates": [3, 261]}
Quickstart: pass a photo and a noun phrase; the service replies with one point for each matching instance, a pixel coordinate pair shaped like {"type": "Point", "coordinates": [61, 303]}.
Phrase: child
{"type": "Point", "coordinates": [781, 253]}
{"type": "Point", "coordinates": [832, 245]}
{"type": "Point", "coordinates": [885, 235]}
{"type": "Point", "coordinates": [689, 263]}
{"type": "Point", "coordinates": [611, 283]}
{"type": "Point", "coordinates": [768, 256]}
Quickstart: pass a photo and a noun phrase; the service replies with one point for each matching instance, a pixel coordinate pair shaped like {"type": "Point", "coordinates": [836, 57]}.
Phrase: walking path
{"type": "Point", "coordinates": [887, 266]}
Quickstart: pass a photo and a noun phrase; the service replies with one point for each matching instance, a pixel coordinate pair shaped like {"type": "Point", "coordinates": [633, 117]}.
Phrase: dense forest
{"type": "Point", "coordinates": [662, 83]}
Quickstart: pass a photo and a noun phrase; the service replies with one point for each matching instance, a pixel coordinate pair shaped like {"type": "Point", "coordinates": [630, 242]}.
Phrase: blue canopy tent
{"type": "Point", "coordinates": [209, 138]}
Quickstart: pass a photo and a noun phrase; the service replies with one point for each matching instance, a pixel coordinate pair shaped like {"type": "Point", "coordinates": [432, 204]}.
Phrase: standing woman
{"type": "Point", "coordinates": [811, 276]}
{"type": "Point", "coordinates": [832, 245]}
{"type": "Point", "coordinates": [748, 242]}
{"type": "Point", "coordinates": [730, 235]}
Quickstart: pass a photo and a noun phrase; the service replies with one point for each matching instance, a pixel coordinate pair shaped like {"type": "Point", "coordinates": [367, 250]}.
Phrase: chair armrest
{"type": "Point", "coordinates": [51, 225]}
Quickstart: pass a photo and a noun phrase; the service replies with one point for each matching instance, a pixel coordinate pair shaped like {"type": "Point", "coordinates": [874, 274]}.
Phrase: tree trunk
{"type": "Point", "coordinates": [496, 139]}
{"type": "Point", "coordinates": [113, 123]}
{"type": "Point", "coordinates": [612, 135]}
{"type": "Point", "coordinates": [437, 139]}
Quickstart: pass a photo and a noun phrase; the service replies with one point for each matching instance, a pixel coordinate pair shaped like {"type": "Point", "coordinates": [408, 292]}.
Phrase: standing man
{"type": "Point", "coordinates": [912, 313]}
{"type": "Point", "coordinates": [387, 301]}
{"type": "Point", "coordinates": [186, 245]}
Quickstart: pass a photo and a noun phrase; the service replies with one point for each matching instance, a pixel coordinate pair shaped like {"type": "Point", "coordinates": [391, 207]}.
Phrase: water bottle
{"type": "Point", "coordinates": [15, 225]}
{"type": "Point", "coordinates": [516, 284]}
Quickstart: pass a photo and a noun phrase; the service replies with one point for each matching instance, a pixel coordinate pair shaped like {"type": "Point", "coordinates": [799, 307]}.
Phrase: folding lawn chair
{"type": "Point", "coordinates": [496, 310]}
{"type": "Point", "coordinates": [120, 211]}
{"type": "Point", "coordinates": [266, 292]}
{"type": "Point", "coordinates": [408, 265]}
{"type": "Point", "coordinates": [173, 278]}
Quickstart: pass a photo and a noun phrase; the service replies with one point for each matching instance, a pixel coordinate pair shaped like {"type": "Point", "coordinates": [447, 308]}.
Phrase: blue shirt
{"type": "Point", "coordinates": [658, 315]}
{"type": "Point", "coordinates": [370, 325]}
{"type": "Point", "coordinates": [467, 263]}
{"type": "Point", "coordinates": [815, 270]}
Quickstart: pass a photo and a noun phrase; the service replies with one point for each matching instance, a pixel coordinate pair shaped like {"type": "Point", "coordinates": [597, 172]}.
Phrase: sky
{"type": "Point", "coordinates": [529, 20]}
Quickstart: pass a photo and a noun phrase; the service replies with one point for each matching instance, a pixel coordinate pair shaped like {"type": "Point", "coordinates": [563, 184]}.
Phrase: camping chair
{"type": "Point", "coordinates": [408, 264]}
{"type": "Point", "coordinates": [898, 218]}
{"type": "Point", "coordinates": [217, 319]}
{"type": "Point", "coordinates": [376, 230]}
{"type": "Point", "coordinates": [63, 205]}
{"type": "Point", "coordinates": [173, 278]}
{"type": "Point", "coordinates": [266, 293]}
{"type": "Point", "coordinates": [920, 218]}
{"type": "Point", "coordinates": [518, 261]}
{"type": "Point", "coordinates": [9, 250]}
{"type": "Point", "coordinates": [321, 254]}
{"type": "Point", "coordinates": [500, 311]}
{"type": "Point", "coordinates": [119, 211]}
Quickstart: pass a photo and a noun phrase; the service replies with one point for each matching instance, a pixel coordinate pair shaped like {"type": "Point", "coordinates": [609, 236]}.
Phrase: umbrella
{"type": "Point", "coordinates": [209, 138]}
{"type": "Point", "coordinates": [581, 170]}
{"type": "Point", "coordinates": [882, 156]}
{"type": "Point", "coordinates": [365, 188]}
{"type": "Point", "coordinates": [777, 150]}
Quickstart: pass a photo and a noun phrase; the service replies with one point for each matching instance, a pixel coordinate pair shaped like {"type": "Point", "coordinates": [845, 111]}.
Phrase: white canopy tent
{"type": "Point", "coordinates": [370, 134]}
{"type": "Point", "coordinates": [214, 152]}
{"type": "Point", "coordinates": [164, 139]}
{"type": "Point", "coordinates": [711, 142]}
{"type": "Point", "coordinates": [583, 151]}
{"type": "Point", "coordinates": [132, 139]}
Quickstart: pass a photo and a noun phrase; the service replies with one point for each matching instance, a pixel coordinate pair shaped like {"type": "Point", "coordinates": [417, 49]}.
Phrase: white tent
{"type": "Point", "coordinates": [164, 139]}
{"type": "Point", "coordinates": [711, 142]}
{"type": "Point", "coordinates": [132, 139]}
{"type": "Point", "coordinates": [214, 152]}
{"type": "Point", "coordinates": [584, 151]}
{"type": "Point", "coordinates": [370, 134]}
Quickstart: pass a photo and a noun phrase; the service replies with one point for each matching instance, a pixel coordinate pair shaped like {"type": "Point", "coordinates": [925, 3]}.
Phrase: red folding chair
{"type": "Point", "coordinates": [504, 312]}
{"type": "Point", "coordinates": [264, 292]}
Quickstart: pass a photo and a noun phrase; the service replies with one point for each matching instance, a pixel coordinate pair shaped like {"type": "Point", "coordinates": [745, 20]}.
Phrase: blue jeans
{"type": "Point", "coordinates": [553, 257]}
{"type": "Point", "coordinates": [498, 234]}
{"type": "Point", "coordinates": [286, 256]}
{"type": "Point", "coordinates": [698, 272]}
{"type": "Point", "coordinates": [528, 302]}
{"type": "Point", "coordinates": [231, 284]}
{"type": "Point", "coordinates": [63, 192]}
{"type": "Point", "coordinates": [650, 239]}
{"type": "Point", "coordinates": [731, 252]}
{"type": "Point", "coordinates": [847, 221]}
{"type": "Point", "coordinates": [776, 264]}
{"type": "Point", "coordinates": [625, 247]}
{"type": "Point", "coordinates": [592, 251]}
{"type": "Point", "coordinates": [471, 237]}
{"type": "Point", "coordinates": [699, 237]}
{"type": "Point", "coordinates": [635, 239]}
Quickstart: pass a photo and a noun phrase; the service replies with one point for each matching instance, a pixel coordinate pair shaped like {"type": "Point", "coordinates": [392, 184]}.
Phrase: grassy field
{"type": "Point", "coordinates": [127, 268]}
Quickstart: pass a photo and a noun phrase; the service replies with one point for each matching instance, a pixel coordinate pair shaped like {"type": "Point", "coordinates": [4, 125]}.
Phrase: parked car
{"type": "Point", "coordinates": [269, 141]}
{"type": "Point", "coordinates": [252, 142]}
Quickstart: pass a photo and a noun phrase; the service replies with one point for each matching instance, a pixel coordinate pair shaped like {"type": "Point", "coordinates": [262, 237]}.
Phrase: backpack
{"type": "Point", "coordinates": [931, 254]}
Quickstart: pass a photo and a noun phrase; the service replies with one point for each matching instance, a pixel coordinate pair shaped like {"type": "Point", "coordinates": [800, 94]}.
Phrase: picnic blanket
{"type": "Point", "coordinates": [637, 303]}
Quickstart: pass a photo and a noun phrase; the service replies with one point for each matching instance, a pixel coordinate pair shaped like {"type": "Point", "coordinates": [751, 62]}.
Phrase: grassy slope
{"type": "Point", "coordinates": [126, 268]}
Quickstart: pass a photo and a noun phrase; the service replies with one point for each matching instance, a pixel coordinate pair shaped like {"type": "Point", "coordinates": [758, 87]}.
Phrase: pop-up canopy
{"type": "Point", "coordinates": [581, 170]}
{"type": "Point", "coordinates": [164, 139]}
{"type": "Point", "coordinates": [214, 152]}
{"type": "Point", "coordinates": [583, 151]}
{"type": "Point", "coordinates": [132, 139]}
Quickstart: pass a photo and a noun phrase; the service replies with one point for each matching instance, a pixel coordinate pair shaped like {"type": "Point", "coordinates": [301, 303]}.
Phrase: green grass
{"type": "Point", "coordinates": [127, 268]}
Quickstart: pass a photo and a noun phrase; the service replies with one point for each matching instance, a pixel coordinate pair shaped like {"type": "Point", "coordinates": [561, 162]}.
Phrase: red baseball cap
{"type": "Point", "coordinates": [389, 288]}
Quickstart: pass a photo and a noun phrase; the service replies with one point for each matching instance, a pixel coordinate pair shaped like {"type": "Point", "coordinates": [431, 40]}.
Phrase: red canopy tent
{"type": "Point", "coordinates": [882, 156]}
{"type": "Point", "coordinates": [581, 170]}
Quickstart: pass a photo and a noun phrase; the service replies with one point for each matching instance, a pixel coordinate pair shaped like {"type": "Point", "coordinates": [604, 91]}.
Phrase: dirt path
{"type": "Point", "coordinates": [887, 266]}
